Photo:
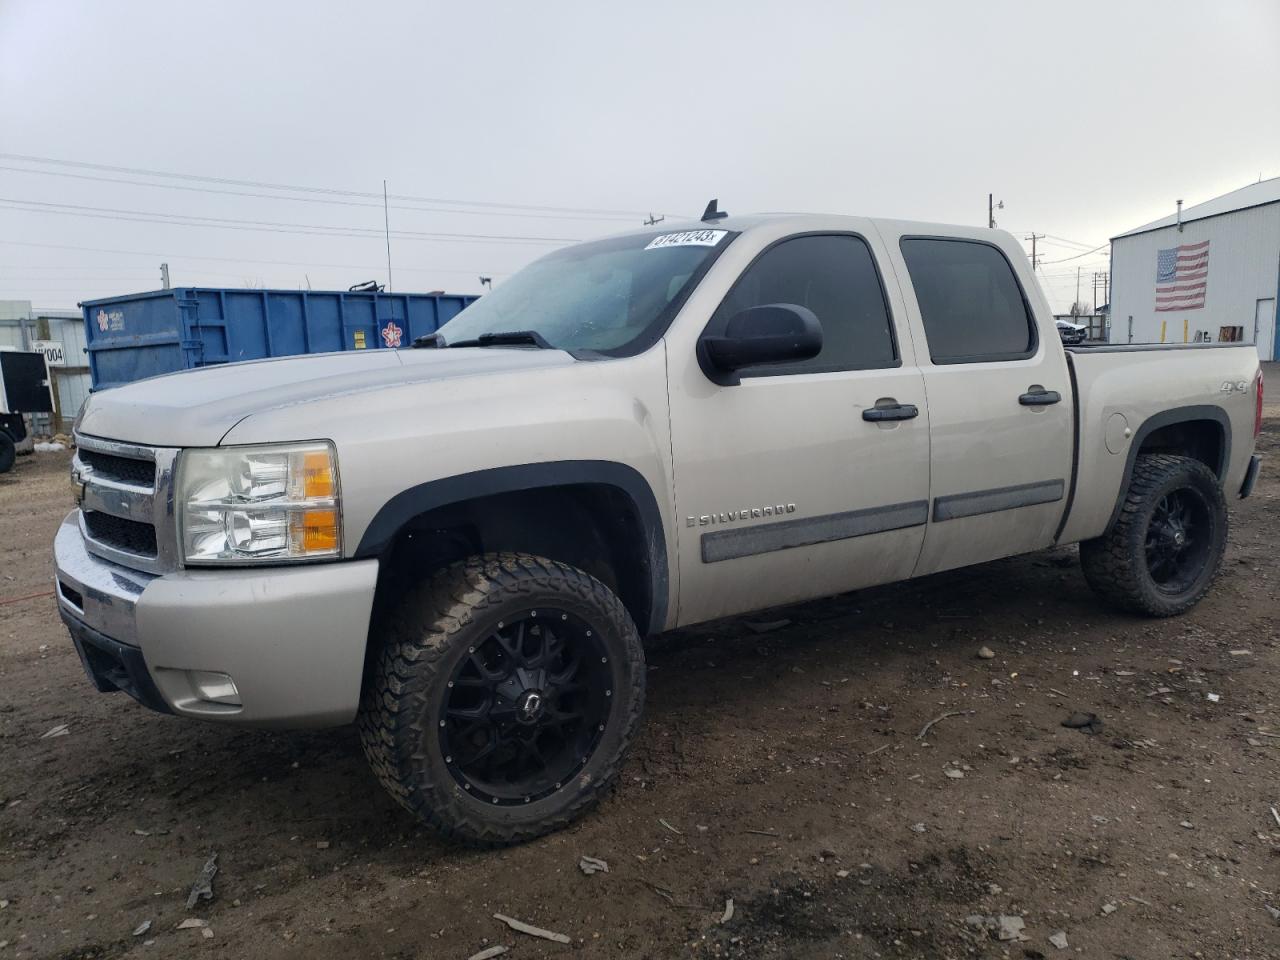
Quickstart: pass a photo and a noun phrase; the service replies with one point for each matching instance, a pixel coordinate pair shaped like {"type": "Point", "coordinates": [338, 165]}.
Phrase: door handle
{"type": "Point", "coordinates": [1038, 396]}
{"type": "Point", "coordinates": [890, 410]}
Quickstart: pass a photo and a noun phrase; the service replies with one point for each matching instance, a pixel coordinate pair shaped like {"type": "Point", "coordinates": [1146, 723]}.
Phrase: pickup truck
{"type": "Point", "coordinates": [460, 546]}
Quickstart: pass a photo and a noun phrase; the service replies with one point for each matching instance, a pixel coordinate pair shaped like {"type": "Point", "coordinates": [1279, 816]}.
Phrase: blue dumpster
{"type": "Point", "coordinates": [146, 334]}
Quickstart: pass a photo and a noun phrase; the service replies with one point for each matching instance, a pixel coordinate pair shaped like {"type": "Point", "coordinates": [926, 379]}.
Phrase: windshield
{"type": "Point", "coordinates": [610, 296]}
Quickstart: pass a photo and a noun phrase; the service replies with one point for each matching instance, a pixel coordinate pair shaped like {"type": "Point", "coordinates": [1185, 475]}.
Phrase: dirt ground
{"type": "Point", "coordinates": [786, 764]}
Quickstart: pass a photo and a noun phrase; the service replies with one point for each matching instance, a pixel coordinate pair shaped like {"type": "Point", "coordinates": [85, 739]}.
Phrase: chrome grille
{"type": "Point", "coordinates": [122, 534]}
{"type": "Point", "coordinates": [126, 502]}
{"type": "Point", "coordinates": [141, 473]}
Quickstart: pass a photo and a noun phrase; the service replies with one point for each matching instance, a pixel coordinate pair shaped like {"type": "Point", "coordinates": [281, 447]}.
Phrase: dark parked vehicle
{"type": "Point", "coordinates": [1072, 333]}
{"type": "Point", "coordinates": [24, 388]}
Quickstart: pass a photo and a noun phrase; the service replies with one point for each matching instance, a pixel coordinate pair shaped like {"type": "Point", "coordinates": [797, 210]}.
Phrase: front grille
{"type": "Point", "coordinates": [140, 473]}
{"type": "Point", "coordinates": [121, 534]}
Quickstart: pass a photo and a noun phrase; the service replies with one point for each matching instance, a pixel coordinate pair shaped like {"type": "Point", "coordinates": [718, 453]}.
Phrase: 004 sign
{"type": "Point", "coordinates": [52, 350]}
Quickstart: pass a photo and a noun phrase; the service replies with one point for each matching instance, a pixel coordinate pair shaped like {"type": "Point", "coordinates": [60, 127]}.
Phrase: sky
{"type": "Point", "coordinates": [135, 133]}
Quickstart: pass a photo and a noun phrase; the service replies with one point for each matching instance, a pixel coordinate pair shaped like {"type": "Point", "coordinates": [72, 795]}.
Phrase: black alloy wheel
{"type": "Point", "coordinates": [526, 707]}
{"type": "Point", "coordinates": [1178, 540]}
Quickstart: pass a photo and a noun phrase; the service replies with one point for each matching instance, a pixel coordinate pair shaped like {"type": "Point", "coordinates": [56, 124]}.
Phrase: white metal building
{"type": "Point", "coordinates": [1209, 273]}
{"type": "Point", "coordinates": [21, 325]}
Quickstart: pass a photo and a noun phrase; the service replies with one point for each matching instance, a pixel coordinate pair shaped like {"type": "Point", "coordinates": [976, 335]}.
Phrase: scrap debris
{"type": "Point", "coordinates": [728, 911]}
{"type": "Point", "coordinates": [521, 927]}
{"type": "Point", "coordinates": [142, 928]}
{"type": "Point", "coordinates": [1002, 927]}
{"type": "Point", "coordinates": [1059, 940]}
{"type": "Point", "coordinates": [202, 889]}
{"type": "Point", "coordinates": [61, 730]}
{"type": "Point", "coordinates": [590, 865]}
{"type": "Point", "coordinates": [670, 827]}
{"type": "Point", "coordinates": [1084, 722]}
{"type": "Point", "coordinates": [938, 719]}
{"type": "Point", "coordinates": [489, 953]}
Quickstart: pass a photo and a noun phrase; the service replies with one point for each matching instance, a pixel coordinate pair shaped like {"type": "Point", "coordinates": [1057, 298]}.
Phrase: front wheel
{"type": "Point", "coordinates": [504, 699]}
{"type": "Point", "coordinates": [1162, 553]}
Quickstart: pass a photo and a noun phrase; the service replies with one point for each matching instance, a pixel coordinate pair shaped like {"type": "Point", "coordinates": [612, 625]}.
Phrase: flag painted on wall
{"type": "Point", "coordinates": [1182, 276]}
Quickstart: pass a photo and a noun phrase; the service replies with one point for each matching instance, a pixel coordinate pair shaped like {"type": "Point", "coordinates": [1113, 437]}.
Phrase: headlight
{"type": "Point", "coordinates": [259, 504]}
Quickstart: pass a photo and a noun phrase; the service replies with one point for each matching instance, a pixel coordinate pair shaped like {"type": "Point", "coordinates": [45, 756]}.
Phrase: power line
{"type": "Point", "coordinates": [325, 200]}
{"type": "Point", "coordinates": [275, 263]}
{"type": "Point", "coordinates": [327, 191]}
{"type": "Point", "coordinates": [1079, 255]}
{"type": "Point", "coordinates": [268, 226]}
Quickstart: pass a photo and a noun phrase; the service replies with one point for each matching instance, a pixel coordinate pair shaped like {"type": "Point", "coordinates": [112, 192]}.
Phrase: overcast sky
{"type": "Point", "coordinates": [1085, 118]}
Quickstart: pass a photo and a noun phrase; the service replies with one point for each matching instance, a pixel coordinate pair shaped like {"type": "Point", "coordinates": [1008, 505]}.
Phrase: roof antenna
{"type": "Point", "coordinates": [712, 213]}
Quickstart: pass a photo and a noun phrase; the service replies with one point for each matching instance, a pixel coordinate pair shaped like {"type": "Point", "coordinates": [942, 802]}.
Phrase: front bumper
{"type": "Point", "coordinates": [291, 639]}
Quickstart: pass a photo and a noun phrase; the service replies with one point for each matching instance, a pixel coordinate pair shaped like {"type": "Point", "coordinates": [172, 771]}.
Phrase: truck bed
{"type": "Point", "coordinates": [1137, 386]}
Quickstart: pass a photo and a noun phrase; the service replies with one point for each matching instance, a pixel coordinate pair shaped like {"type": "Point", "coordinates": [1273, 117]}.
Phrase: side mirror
{"type": "Point", "coordinates": [771, 333]}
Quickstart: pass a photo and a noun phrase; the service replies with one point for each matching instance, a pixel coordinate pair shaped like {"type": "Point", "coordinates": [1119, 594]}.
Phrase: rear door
{"type": "Point", "coordinates": [999, 398]}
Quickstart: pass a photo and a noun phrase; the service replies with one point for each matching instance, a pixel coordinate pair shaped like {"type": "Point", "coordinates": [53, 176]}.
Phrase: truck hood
{"type": "Point", "coordinates": [199, 407]}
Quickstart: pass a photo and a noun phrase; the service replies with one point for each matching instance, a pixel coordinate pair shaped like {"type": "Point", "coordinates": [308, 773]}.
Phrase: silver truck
{"type": "Point", "coordinates": [460, 546]}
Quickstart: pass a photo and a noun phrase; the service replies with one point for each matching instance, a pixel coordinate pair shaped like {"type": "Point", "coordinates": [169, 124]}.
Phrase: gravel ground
{"type": "Point", "coordinates": [786, 766]}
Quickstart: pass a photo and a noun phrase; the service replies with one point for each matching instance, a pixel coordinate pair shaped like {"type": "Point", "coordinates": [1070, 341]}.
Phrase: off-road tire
{"type": "Point", "coordinates": [1115, 564]}
{"type": "Point", "coordinates": [8, 452]}
{"type": "Point", "coordinates": [406, 685]}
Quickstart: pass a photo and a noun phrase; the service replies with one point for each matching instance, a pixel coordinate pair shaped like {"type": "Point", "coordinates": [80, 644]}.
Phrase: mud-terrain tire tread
{"type": "Point", "coordinates": [1115, 564]}
{"type": "Point", "coordinates": [430, 620]}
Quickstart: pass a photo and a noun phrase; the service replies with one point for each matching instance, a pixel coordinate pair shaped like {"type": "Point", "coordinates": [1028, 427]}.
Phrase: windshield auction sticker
{"type": "Point", "coordinates": [690, 238]}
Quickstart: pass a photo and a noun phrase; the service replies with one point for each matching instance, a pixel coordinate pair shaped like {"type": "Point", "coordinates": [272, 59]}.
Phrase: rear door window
{"type": "Point", "coordinates": [970, 301]}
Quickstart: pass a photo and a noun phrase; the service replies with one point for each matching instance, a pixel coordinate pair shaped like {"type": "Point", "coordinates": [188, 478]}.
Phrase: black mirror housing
{"type": "Point", "coordinates": [770, 333]}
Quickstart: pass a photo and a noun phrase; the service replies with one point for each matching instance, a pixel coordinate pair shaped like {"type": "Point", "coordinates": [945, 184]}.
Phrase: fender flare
{"type": "Point", "coordinates": [1168, 418]}
{"type": "Point", "coordinates": [424, 497]}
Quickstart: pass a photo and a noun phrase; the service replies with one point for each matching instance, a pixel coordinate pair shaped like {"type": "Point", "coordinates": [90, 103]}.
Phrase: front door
{"type": "Point", "coordinates": [999, 402]}
{"type": "Point", "coordinates": [785, 491]}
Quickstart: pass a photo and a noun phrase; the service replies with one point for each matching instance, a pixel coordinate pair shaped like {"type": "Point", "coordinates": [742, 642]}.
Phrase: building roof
{"type": "Point", "coordinates": [1254, 195]}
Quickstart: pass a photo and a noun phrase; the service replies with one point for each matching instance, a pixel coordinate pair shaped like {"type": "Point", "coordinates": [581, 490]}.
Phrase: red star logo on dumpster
{"type": "Point", "coordinates": [391, 334]}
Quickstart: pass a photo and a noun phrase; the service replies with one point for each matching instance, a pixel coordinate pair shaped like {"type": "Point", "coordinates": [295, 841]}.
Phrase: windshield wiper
{"type": "Point", "coordinates": [506, 338]}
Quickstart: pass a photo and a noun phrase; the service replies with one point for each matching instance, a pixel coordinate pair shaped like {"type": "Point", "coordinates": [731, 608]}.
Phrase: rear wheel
{"type": "Point", "coordinates": [8, 452]}
{"type": "Point", "coordinates": [504, 699]}
{"type": "Point", "coordinates": [1165, 548]}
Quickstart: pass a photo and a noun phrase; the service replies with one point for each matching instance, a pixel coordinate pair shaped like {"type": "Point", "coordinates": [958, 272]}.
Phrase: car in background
{"type": "Point", "coordinates": [1072, 333]}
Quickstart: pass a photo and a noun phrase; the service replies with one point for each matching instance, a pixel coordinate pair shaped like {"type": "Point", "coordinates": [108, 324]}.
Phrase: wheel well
{"type": "Point", "coordinates": [1199, 439]}
{"type": "Point", "coordinates": [595, 527]}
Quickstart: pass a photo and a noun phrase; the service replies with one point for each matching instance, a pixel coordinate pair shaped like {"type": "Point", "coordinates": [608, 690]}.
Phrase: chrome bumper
{"type": "Point", "coordinates": [291, 639]}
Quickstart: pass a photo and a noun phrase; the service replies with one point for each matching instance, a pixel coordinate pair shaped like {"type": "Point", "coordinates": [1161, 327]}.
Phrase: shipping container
{"type": "Point", "coordinates": [147, 334]}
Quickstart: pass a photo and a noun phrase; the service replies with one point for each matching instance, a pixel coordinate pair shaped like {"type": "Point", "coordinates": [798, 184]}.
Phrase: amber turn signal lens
{"type": "Point", "coordinates": [317, 473]}
{"type": "Point", "coordinates": [319, 531]}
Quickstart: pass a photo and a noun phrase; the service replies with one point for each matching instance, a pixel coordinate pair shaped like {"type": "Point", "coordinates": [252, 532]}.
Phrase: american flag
{"type": "Point", "coordinates": [1182, 274]}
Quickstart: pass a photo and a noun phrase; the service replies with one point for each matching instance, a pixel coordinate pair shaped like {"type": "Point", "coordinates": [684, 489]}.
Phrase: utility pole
{"type": "Point", "coordinates": [1101, 278]}
{"type": "Point", "coordinates": [386, 222]}
{"type": "Point", "coordinates": [992, 207]}
{"type": "Point", "coordinates": [1077, 299]}
{"type": "Point", "coordinates": [164, 276]}
{"type": "Point", "coordinates": [1033, 237]}
{"type": "Point", "coordinates": [652, 220]}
